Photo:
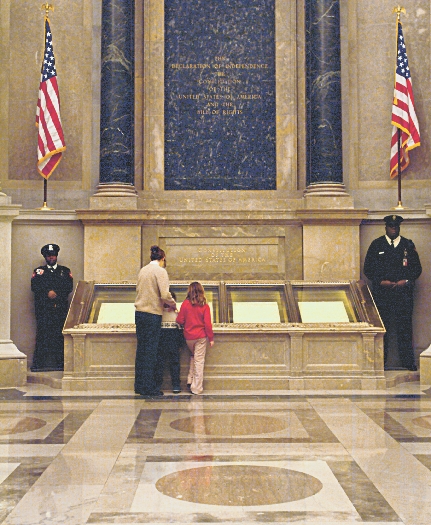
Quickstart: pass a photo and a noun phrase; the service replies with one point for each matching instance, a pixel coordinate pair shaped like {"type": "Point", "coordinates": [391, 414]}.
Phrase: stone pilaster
{"type": "Point", "coordinates": [13, 363]}
{"type": "Point", "coordinates": [331, 243]}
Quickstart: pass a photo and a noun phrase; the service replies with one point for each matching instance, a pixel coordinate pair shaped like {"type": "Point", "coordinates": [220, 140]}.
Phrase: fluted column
{"type": "Point", "coordinates": [117, 96]}
{"type": "Point", "coordinates": [323, 74]}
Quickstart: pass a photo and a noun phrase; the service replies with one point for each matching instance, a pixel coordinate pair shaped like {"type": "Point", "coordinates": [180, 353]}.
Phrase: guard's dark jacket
{"type": "Point", "coordinates": [50, 315]}
{"type": "Point", "coordinates": [385, 263]}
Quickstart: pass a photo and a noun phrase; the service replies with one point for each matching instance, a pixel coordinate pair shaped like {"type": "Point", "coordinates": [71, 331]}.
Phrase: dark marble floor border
{"type": "Point", "coordinates": [393, 427]}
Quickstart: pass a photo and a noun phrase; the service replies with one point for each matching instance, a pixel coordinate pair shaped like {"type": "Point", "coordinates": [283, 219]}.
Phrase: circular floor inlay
{"type": "Point", "coordinates": [424, 422]}
{"type": "Point", "coordinates": [239, 485]}
{"type": "Point", "coordinates": [17, 425]}
{"type": "Point", "coordinates": [229, 424]}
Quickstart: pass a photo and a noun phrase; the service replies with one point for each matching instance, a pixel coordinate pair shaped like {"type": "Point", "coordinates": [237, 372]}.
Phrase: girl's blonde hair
{"type": "Point", "coordinates": [196, 294]}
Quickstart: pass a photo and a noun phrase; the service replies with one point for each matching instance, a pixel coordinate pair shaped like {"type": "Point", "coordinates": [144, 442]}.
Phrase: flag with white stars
{"type": "Point", "coordinates": [50, 132]}
{"type": "Point", "coordinates": [403, 110]}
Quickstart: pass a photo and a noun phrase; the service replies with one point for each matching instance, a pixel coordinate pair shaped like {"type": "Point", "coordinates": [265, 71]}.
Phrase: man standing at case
{"type": "Point", "coordinates": [51, 285]}
{"type": "Point", "coordinates": [152, 292]}
{"type": "Point", "coordinates": [392, 264]}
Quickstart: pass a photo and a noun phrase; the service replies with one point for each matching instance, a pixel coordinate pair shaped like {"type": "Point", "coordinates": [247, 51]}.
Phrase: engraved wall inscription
{"type": "Point", "coordinates": [259, 255]}
{"type": "Point", "coordinates": [220, 95]}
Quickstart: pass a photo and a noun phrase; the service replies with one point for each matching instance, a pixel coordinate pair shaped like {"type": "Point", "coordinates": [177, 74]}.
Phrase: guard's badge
{"type": "Point", "coordinates": [39, 271]}
{"type": "Point", "coordinates": [394, 217]}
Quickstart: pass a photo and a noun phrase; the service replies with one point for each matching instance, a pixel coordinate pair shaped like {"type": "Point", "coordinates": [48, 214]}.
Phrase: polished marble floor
{"type": "Point", "coordinates": [289, 457]}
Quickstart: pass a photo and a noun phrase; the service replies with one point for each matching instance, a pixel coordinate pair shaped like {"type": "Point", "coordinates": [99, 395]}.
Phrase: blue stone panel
{"type": "Point", "coordinates": [220, 95]}
{"type": "Point", "coordinates": [323, 66]}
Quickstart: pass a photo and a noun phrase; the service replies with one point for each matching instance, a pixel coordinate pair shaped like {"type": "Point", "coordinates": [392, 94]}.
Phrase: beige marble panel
{"type": "Point", "coordinates": [103, 352]}
{"type": "Point", "coordinates": [13, 372]}
{"type": "Point", "coordinates": [237, 251]}
{"type": "Point", "coordinates": [154, 162]}
{"type": "Point", "coordinates": [370, 127]}
{"type": "Point", "coordinates": [4, 91]}
{"type": "Point", "coordinates": [74, 79]}
{"type": "Point", "coordinates": [286, 94]}
{"type": "Point", "coordinates": [259, 353]}
{"type": "Point", "coordinates": [336, 353]}
{"type": "Point", "coordinates": [425, 367]}
{"type": "Point", "coordinates": [418, 423]}
{"type": "Point", "coordinates": [331, 252]}
{"type": "Point", "coordinates": [113, 252]}
{"type": "Point", "coordinates": [154, 77]}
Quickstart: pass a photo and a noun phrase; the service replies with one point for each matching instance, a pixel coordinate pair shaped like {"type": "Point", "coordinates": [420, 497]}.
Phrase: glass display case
{"type": "Point", "coordinates": [266, 302]}
{"type": "Point", "coordinates": [256, 303]}
{"type": "Point", "coordinates": [329, 304]}
{"type": "Point", "coordinates": [268, 335]}
{"type": "Point", "coordinates": [113, 303]}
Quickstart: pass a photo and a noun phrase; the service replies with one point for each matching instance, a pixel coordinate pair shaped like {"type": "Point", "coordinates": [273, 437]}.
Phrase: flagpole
{"type": "Point", "coordinates": [45, 197]}
{"type": "Point", "coordinates": [398, 10]}
{"type": "Point", "coordinates": [47, 7]}
{"type": "Point", "coordinates": [400, 203]}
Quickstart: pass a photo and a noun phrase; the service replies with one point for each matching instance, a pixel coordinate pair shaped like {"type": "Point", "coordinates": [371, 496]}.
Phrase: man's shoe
{"type": "Point", "coordinates": [412, 368]}
{"type": "Point", "coordinates": [176, 390]}
{"type": "Point", "coordinates": [149, 394]}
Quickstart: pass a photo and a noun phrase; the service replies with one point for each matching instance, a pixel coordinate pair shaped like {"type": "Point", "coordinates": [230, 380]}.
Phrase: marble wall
{"type": "Point", "coordinates": [266, 226]}
{"type": "Point", "coordinates": [75, 27]}
{"type": "Point", "coordinates": [368, 61]}
{"type": "Point", "coordinates": [367, 30]}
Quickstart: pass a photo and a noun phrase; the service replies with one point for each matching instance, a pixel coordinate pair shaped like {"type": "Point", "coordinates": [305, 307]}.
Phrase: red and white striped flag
{"type": "Point", "coordinates": [403, 110]}
{"type": "Point", "coordinates": [50, 143]}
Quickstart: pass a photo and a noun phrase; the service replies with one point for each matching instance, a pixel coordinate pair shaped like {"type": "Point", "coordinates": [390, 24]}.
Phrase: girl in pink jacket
{"type": "Point", "coordinates": [195, 316]}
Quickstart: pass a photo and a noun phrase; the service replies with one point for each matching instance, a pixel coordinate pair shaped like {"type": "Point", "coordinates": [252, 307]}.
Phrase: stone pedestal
{"type": "Point", "coordinates": [114, 197]}
{"type": "Point", "coordinates": [425, 366]}
{"type": "Point", "coordinates": [112, 245]}
{"type": "Point", "coordinates": [13, 363]}
{"type": "Point", "coordinates": [112, 234]}
{"type": "Point", "coordinates": [330, 233]}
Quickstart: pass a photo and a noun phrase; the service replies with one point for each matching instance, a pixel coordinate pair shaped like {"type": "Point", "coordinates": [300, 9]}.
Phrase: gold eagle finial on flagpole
{"type": "Point", "coordinates": [398, 10]}
{"type": "Point", "coordinates": [47, 7]}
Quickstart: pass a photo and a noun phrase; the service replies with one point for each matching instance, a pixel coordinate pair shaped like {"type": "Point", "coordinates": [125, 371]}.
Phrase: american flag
{"type": "Point", "coordinates": [50, 144]}
{"type": "Point", "coordinates": [403, 109]}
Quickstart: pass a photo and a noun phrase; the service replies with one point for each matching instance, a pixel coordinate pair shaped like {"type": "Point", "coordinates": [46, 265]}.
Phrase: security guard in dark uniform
{"type": "Point", "coordinates": [392, 264]}
{"type": "Point", "coordinates": [51, 285]}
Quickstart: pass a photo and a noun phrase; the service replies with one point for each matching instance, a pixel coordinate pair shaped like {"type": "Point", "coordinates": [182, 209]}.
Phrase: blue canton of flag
{"type": "Point", "coordinates": [48, 66]}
